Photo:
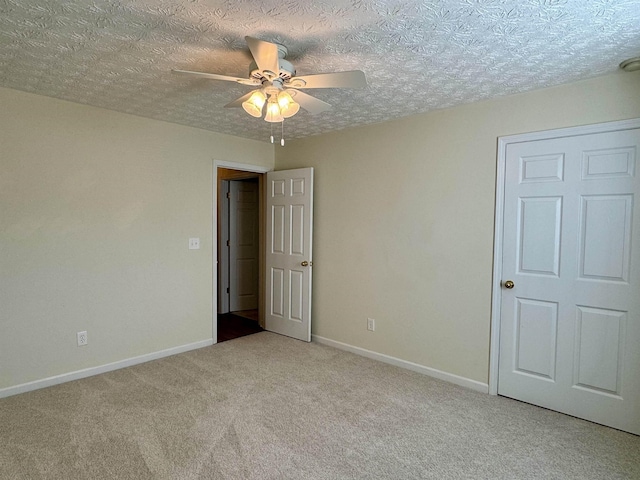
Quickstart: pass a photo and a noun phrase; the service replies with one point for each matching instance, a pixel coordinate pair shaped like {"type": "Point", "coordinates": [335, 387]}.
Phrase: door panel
{"type": "Point", "coordinates": [570, 326]}
{"type": "Point", "coordinates": [276, 289]}
{"type": "Point", "coordinates": [539, 235]}
{"type": "Point", "coordinates": [288, 256]}
{"type": "Point", "coordinates": [599, 348]}
{"type": "Point", "coordinates": [536, 328]}
{"type": "Point", "coordinates": [296, 295]}
{"type": "Point", "coordinates": [609, 163]}
{"type": "Point", "coordinates": [605, 236]}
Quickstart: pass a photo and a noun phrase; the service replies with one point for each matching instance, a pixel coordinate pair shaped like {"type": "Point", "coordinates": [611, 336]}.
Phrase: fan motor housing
{"type": "Point", "coordinates": [287, 70]}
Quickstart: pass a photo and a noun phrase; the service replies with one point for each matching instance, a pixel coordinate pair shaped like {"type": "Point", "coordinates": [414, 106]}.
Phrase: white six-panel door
{"type": "Point", "coordinates": [570, 325]}
{"type": "Point", "coordinates": [244, 245]}
{"type": "Point", "coordinates": [288, 257]}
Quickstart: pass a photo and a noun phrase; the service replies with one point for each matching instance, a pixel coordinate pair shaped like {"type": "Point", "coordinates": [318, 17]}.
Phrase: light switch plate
{"type": "Point", "coordinates": [194, 244]}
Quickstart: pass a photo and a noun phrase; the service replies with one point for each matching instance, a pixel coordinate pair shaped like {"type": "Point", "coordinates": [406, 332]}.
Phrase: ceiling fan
{"type": "Point", "coordinates": [279, 87]}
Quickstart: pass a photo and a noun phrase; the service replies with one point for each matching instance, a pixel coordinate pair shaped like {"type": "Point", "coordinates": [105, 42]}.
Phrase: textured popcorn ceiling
{"type": "Point", "coordinates": [417, 55]}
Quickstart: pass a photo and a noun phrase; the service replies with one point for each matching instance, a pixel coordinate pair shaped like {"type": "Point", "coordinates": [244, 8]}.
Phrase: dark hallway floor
{"type": "Point", "coordinates": [232, 326]}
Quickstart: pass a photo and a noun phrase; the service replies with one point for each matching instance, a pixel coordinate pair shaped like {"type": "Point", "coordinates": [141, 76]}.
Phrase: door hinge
{"type": "Point", "coordinates": [228, 194]}
{"type": "Point", "coordinates": [227, 289]}
{"type": "Point", "coordinates": [228, 243]}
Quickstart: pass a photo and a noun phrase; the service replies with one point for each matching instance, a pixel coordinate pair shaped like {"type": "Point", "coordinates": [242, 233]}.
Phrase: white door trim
{"type": "Point", "coordinates": [223, 259]}
{"type": "Point", "coordinates": [496, 295]}
{"type": "Point", "coordinates": [214, 231]}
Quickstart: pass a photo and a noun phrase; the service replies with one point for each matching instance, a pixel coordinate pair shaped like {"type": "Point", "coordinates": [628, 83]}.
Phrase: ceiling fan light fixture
{"type": "Point", "coordinates": [277, 84]}
{"type": "Point", "coordinates": [273, 114]}
{"type": "Point", "coordinates": [631, 64]}
{"type": "Point", "coordinates": [288, 107]}
{"type": "Point", "coordinates": [253, 106]}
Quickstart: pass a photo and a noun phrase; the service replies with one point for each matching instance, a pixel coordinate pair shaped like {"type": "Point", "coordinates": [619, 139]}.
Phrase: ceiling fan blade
{"type": "Point", "coordinates": [309, 103]}
{"type": "Point", "coordinates": [215, 76]}
{"type": "Point", "coordinates": [265, 54]}
{"type": "Point", "coordinates": [351, 79]}
{"type": "Point", "coordinates": [238, 101]}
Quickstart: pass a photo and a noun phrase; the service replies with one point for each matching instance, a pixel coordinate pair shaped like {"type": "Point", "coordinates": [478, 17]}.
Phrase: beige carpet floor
{"type": "Point", "coordinates": [268, 407]}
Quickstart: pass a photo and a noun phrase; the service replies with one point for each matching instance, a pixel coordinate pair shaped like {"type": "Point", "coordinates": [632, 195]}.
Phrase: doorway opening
{"type": "Point", "coordinates": [240, 246]}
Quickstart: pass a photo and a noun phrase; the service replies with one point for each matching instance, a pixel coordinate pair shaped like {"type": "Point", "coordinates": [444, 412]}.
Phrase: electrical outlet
{"type": "Point", "coordinates": [371, 324]}
{"type": "Point", "coordinates": [82, 338]}
{"type": "Point", "coordinates": [194, 244]}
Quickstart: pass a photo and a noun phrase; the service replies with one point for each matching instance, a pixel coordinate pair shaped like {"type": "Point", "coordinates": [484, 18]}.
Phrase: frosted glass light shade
{"type": "Point", "coordinates": [288, 107]}
{"type": "Point", "coordinates": [254, 105]}
{"type": "Point", "coordinates": [273, 114]}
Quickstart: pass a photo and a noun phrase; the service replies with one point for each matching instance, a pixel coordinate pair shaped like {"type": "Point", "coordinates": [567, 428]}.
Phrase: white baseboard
{"type": "Point", "coordinates": [89, 372]}
{"type": "Point", "coordinates": [431, 372]}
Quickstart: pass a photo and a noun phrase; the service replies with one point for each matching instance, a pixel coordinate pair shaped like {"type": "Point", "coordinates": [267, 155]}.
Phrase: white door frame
{"type": "Point", "coordinates": [223, 273]}
{"type": "Point", "coordinates": [214, 243]}
{"type": "Point", "coordinates": [496, 295]}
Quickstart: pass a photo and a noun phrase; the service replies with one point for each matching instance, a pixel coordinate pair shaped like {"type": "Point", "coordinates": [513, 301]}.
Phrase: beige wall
{"type": "Point", "coordinates": [404, 220]}
{"type": "Point", "coordinates": [96, 209]}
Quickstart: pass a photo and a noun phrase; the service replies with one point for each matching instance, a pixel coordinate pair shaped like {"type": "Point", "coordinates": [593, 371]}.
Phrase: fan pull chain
{"type": "Point", "coordinates": [272, 133]}
{"type": "Point", "coordinates": [282, 134]}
